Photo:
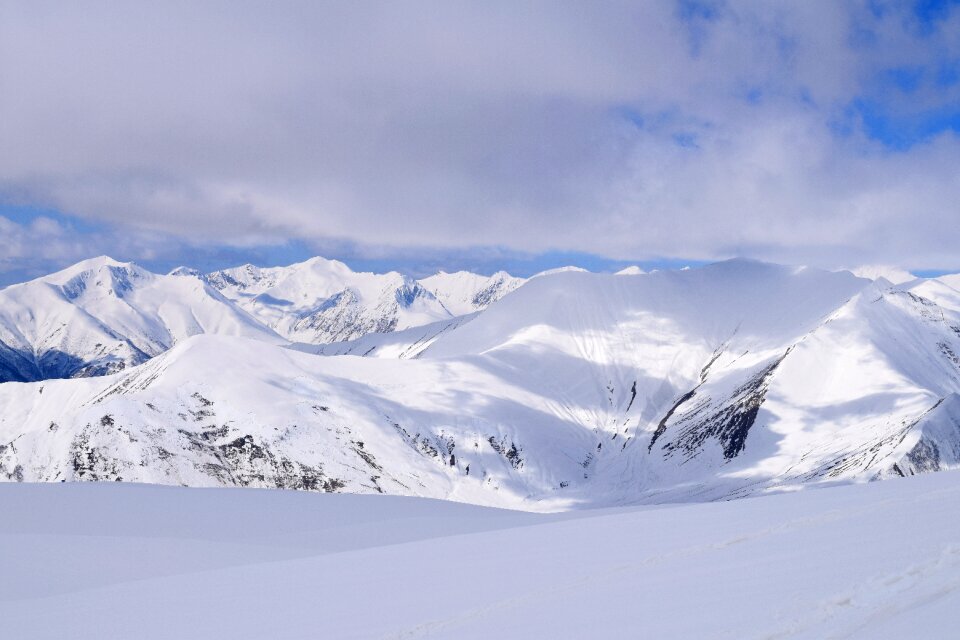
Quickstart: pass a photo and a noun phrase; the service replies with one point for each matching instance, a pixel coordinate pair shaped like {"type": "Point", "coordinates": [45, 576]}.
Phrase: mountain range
{"type": "Point", "coordinates": [569, 389]}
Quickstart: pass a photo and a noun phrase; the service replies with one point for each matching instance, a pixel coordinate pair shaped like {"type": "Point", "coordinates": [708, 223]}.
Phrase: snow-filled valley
{"type": "Point", "coordinates": [115, 561]}
{"type": "Point", "coordinates": [573, 390]}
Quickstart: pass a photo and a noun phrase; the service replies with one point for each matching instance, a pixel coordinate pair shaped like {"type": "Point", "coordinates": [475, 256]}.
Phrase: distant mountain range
{"type": "Point", "coordinates": [568, 389]}
{"type": "Point", "coordinates": [100, 316]}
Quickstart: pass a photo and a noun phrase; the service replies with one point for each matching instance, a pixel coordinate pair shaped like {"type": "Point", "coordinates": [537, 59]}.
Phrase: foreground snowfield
{"type": "Point", "coordinates": [111, 560]}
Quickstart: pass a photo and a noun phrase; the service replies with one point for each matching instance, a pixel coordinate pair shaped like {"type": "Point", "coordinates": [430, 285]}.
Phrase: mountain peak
{"type": "Point", "coordinates": [92, 265]}
{"type": "Point", "coordinates": [567, 269]}
{"type": "Point", "coordinates": [630, 271]}
{"type": "Point", "coordinates": [185, 271]}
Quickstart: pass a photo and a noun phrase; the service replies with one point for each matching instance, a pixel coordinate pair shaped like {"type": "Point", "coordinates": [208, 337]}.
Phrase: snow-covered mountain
{"type": "Point", "coordinates": [464, 292]}
{"type": "Point", "coordinates": [320, 301]}
{"type": "Point", "coordinates": [631, 271]}
{"type": "Point", "coordinates": [952, 281]}
{"type": "Point", "coordinates": [100, 316]}
{"type": "Point", "coordinates": [576, 389]}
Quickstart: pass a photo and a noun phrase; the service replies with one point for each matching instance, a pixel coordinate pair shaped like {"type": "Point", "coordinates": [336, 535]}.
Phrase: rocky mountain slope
{"type": "Point", "coordinates": [463, 292]}
{"type": "Point", "coordinates": [100, 316]}
{"type": "Point", "coordinates": [320, 301]}
{"type": "Point", "coordinates": [577, 389]}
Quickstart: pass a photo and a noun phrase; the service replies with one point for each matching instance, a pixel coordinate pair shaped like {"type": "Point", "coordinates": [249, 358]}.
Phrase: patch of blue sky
{"type": "Point", "coordinates": [931, 12]}
{"type": "Point", "coordinates": [25, 214]}
{"type": "Point", "coordinates": [172, 252]}
{"type": "Point", "coordinates": [686, 140]}
{"type": "Point", "coordinates": [901, 131]}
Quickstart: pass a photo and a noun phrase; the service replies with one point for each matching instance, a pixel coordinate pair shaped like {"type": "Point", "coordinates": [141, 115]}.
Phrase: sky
{"type": "Point", "coordinates": [519, 135]}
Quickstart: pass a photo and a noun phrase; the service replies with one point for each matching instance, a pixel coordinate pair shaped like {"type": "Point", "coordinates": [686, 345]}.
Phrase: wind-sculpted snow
{"type": "Point", "coordinates": [114, 561]}
{"type": "Point", "coordinates": [576, 389]}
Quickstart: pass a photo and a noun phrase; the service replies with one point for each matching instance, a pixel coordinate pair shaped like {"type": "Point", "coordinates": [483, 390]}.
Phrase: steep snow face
{"type": "Point", "coordinates": [321, 301]}
{"type": "Point", "coordinates": [952, 281]}
{"type": "Point", "coordinates": [464, 292]}
{"type": "Point", "coordinates": [937, 290]}
{"type": "Point", "coordinates": [738, 302]}
{"type": "Point", "coordinates": [869, 393]}
{"type": "Point", "coordinates": [101, 315]}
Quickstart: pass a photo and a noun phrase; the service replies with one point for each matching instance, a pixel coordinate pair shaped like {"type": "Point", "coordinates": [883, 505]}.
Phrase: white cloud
{"type": "Point", "coordinates": [619, 129]}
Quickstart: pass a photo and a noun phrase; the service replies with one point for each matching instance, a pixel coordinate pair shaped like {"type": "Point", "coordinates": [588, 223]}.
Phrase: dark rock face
{"type": "Point", "coordinates": [248, 463]}
{"type": "Point", "coordinates": [728, 421]}
{"type": "Point", "coordinates": [662, 427]}
{"type": "Point", "coordinates": [923, 458]}
{"type": "Point", "coordinates": [341, 317]}
{"type": "Point", "coordinates": [91, 462]}
{"type": "Point", "coordinates": [511, 453]}
{"type": "Point", "coordinates": [110, 451]}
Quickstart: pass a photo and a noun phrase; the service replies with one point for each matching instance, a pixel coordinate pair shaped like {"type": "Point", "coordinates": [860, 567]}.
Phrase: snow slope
{"type": "Point", "coordinates": [405, 343]}
{"type": "Point", "coordinates": [121, 561]}
{"type": "Point", "coordinates": [951, 280]}
{"type": "Point", "coordinates": [320, 301]}
{"type": "Point", "coordinates": [463, 292]}
{"type": "Point", "coordinates": [101, 315]}
{"type": "Point", "coordinates": [576, 390]}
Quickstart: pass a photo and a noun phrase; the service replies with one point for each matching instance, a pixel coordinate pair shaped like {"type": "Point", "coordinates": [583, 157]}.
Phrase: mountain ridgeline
{"type": "Point", "coordinates": [570, 389]}
{"type": "Point", "coordinates": [101, 316]}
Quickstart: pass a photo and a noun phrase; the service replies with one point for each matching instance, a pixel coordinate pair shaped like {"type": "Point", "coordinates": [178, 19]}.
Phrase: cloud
{"type": "Point", "coordinates": [630, 130]}
{"type": "Point", "coordinates": [38, 244]}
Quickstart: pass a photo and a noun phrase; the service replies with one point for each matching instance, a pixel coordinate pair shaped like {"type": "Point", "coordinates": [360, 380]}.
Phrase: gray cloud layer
{"type": "Point", "coordinates": [630, 130]}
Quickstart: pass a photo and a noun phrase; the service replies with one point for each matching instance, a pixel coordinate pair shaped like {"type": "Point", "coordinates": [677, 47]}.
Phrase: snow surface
{"type": "Point", "coordinates": [574, 390]}
{"type": "Point", "coordinates": [631, 271]}
{"type": "Point", "coordinates": [323, 300]}
{"type": "Point", "coordinates": [108, 561]}
{"type": "Point", "coordinates": [893, 275]}
{"type": "Point", "coordinates": [463, 292]}
{"type": "Point", "coordinates": [100, 316]}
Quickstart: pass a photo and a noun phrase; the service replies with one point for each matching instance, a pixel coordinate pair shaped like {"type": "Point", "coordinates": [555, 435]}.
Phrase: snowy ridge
{"type": "Point", "coordinates": [577, 389]}
{"type": "Point", "coordinates": [100, 316]}
{"type": "Point", "coordinates": [402, 344]}
{"type": "Point", "coordinates": [631, 271]}
{"type": "Point", "coordinates": [320, 301]}
{"type": "Point", "coordinates": [464, 292]}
